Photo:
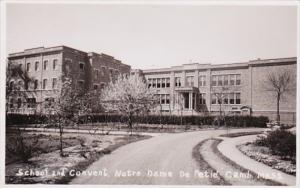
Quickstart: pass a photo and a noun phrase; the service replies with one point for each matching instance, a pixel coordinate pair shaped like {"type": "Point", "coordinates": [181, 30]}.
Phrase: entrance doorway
{"type": "Point", "coordinates": [186, 99]}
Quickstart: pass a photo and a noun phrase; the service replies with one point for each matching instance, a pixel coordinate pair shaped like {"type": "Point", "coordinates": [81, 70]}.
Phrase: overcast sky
{"type": "Point", "coordinates": [157, 36]}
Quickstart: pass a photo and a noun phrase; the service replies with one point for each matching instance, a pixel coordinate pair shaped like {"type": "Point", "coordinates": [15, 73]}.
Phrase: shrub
{"type": "Point", "coordinates": [232, 121]}
{"type": "Point", "coordinates": [280, 142]}
{"type": "Point", "coordinates": [21, 148]}
{"type": "Point", "coordinates": [246, 121]}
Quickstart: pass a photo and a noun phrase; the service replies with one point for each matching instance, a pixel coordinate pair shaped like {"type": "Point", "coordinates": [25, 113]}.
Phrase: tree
{"type": "Point", "coordinates": [220, 95]}
{"type": "Point", "coordinates": [129, 96]}
{"type": "Point", "coordinates": [64, 108]}
{"type": "Point", "coordinates": [279, 83]}
{"type": "Point", "coordinates": [17, 80]}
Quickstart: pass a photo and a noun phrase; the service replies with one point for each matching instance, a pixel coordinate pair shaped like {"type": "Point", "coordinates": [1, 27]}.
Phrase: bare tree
{"type": "Point", "coordinates": [220, 94]}
{"type": "Point", "coordinates": [129, 96]}
{"type": "Point", "coordinates": [279, 83]}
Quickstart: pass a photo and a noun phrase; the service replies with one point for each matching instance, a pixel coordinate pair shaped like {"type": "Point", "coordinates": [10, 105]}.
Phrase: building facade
{"type": "Point", "coordinates": [48, 67]}
{"type": "Point", "coordinates": [238, 88]}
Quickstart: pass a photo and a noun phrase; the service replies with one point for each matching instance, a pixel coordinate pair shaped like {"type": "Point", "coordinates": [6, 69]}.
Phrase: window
{"type": "Point", "coordinates": [225, 80]}
{"type": "Point", "coordinates": [162, 99]}
{"type": "Point", "coordinates": [44, 83]}
{"type": "Point", "coordinates": [81, 66]}
{"type": "Point", "coordinates": [111, 76]}
{"type": "Point", "coordinates": [54, 64]}
{"type": "Point", "coordinates": [54, 83]}
{"type": "Point", "coordinates": [190, 81]}
{"type": "Point", "coordinates": [231, 98]}
{"type": "Point", "coordinates": [36, 66]}
{"type": "Point", "coordinates": [232, 79]}
{"type": "Point", "coordinates": [28, 67]}
{"type": "Point", "coordinates": [219, 98]}
{"type": "Point", "coordinates": [96, 74]}
{"type": "Point", "coordinates": [95, 86]}
{"type": "Point", "coordinates": [225, 98]}
{"type": "Point", "coordinates": [177, 82]}
{"type": "Point", "coordinates": [220, 80]}
{"type": "Point", "coordinates": [238, 98]}
{"type": "Point", "coordinates": [213, 99]}
{"type": "Point", "coordinates": [202, 99]}
{"type": "Point", "coordinates": [238, 79]}
{"type": "Point", "coordinates": [31, 102]}
{"type": "Point", "coordinates": [67, 68]}
{"type": "Point", "coordinates": [214, 80]}
{"type": "Point", "coordinates": [154, 82]}
{"type": "Point", "coordinates": [36, 84]}
{"type": "Point", "coordinates": [149, 82]}
{"type": "Point", "coordinates": [202, 80]}
{"type": "Point", "coordinates": [19, 102]}
{"type": "Point", "coordinates": [103, 71]}
{"type": "Point", "coordinates": [102, 86]}
{"type": "Point", "coordinates": [158, 82]}
{"type": "Point", "coordinates": [167, 99]}
{"type": "Point", "coordinates": [163, 82]}
{"type": "Point", "coordinates": [167, 82]}
{"type": "Point", "coordinates": [45, 64]}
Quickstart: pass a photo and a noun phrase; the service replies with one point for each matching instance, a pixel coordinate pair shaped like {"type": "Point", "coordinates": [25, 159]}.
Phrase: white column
{"type": "Point", "coordinates": [190, 100]}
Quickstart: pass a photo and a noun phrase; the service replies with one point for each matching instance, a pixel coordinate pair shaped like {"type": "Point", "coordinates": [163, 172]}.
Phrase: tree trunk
{"type": "Point", "coordinates": [130, 123]}
{"type": "Point", "coordinates": [61, 140]}
{"type": "Point", "coordinates": [278, 113]}
{"type": "Point", "coordinates": [220, 115]}
{"type": "Point", "coordinates": [160, 114]}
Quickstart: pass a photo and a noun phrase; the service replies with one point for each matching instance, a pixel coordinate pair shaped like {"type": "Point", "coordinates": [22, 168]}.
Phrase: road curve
{"type": "Point", "coordinates": [168, 154]}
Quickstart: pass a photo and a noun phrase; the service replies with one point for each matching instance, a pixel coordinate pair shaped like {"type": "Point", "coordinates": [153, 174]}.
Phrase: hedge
{"type": "Point", "coordinates": [232, 121]}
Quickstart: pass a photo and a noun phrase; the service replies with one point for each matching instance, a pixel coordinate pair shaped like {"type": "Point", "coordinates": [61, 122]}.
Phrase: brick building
{"type": "Point", "coordinates": [192, 89]}
{"type": "Point", "coordinates": [48, 66]}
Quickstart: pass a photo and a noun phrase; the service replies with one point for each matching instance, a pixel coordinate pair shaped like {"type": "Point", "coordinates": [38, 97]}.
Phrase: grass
{"type": "Point", "coordinates": [204, 166]}
{"type": "Point", "coordinates": [79, 156]}
{"type": "Point", "coordinates": [45, 144]}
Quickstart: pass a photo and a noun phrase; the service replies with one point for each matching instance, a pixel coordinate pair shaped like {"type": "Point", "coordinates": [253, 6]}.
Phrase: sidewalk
{"type": "Point", "coordinates": [228, 148]}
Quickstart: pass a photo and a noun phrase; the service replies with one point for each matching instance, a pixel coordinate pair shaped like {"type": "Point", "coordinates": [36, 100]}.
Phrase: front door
{"type": "Point", "coordinates": [186, 99]}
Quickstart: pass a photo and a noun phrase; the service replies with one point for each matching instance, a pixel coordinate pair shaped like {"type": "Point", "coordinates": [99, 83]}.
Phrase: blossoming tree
{"type": "Point", "coordinates": [129, 97]}
{"type": "Point", "coordinates": [64, 108]}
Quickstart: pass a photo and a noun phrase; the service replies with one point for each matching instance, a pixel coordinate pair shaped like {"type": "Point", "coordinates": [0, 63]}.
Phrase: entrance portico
{"type": "Point", "coordinates": [187, 98]}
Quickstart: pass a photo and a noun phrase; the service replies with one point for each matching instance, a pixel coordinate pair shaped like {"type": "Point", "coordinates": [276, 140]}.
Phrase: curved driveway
{"type": "Point", "coordinates": [167, 154]}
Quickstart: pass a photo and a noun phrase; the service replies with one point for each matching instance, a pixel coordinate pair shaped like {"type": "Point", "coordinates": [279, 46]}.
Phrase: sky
{"type": "Point", "coordinates": [157, 36]}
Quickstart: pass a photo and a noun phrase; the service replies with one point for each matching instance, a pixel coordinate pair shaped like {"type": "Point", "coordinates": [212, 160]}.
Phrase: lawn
{"type": "Point", "coordinates": [46, 164]}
